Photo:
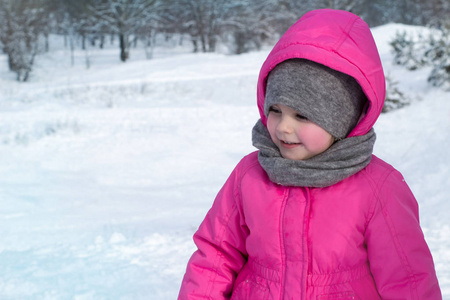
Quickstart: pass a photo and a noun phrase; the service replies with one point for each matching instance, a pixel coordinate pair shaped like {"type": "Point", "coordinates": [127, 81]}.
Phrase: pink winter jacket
{"type": "Point", "coordinates": [358, 239]}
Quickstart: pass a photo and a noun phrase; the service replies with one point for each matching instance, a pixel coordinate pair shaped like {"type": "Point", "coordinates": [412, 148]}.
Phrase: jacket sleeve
{"type": "Point", "coordinates": [399, 258]}
{"type": "Point", "coordinates": [220, 240]}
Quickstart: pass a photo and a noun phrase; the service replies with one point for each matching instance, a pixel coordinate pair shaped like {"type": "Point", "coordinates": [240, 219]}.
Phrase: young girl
{"type": "Point", "coordinates": [313, 214]}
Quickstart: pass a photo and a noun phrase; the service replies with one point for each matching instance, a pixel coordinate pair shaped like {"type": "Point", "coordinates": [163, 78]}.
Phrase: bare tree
{"type": "Point", "coordinates": [251, 23]}
{"type": "Point", "coordinates": [204, 20]}
{"type": "Point", "coordinates": [125, 18]}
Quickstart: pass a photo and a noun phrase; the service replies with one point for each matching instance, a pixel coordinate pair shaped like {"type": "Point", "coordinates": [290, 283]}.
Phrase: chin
{"type": "Point", "coordinates": [295, 157]}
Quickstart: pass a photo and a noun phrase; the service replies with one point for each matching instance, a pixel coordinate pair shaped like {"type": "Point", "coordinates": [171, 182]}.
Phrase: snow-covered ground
{"type": "Point", "coordinates": [106, 172]}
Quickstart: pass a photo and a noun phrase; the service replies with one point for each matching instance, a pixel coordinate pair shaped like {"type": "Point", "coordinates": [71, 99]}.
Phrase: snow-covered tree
{"type": "Point", "coordinates": [348, 5]}
{"type": "Point", "coordinates": [207, 21]}
{"type": "Point", "coordinates": [418, 51]}
{"type": "Point", "coordinates": [439, 55]}
{"type": "Point", "coordinates": [200, 19]}
{"type": "Point", "coordinates": [409, 50]}
{"type": "Point", "coordinates": [440, 75]}
{"type": "Point", "coordinates": [124, 18]}
{"type": "Point", "coordinates": [395, 98]}
{"type": "Point", "coordinates": [21, 25]}
{"type": "Point", "coordinates": [249, 24]}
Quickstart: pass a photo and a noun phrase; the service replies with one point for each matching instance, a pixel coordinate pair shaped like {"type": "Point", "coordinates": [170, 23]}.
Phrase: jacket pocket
{"type": "Point", "coordinates": [339, 296]}
{"type": "Point", "coordinates": [250, 290]}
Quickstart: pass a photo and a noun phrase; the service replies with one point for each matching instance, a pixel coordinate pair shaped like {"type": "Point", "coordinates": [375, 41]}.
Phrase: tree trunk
{"type": "Point", "coordinates": [212, 43]}
{"type": "Point", "coordinates": [195, 44]}
{"type": "Point", "coordinates": [102, 41]}
{"type": "Point", "coordinates": [47, 43]}
{"type": "Point", "coordinates": [124, 51]}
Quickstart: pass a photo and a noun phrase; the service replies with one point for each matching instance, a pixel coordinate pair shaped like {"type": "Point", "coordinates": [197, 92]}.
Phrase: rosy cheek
{"type": "Point", "coordinates": [315, 138]}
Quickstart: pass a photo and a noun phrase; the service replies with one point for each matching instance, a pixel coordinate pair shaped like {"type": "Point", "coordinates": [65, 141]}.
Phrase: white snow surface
{"type": "Point", "coordinates": [106, 172]}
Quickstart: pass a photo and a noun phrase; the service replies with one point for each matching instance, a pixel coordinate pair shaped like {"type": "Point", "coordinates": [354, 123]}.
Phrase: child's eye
{"type": "Point", "coordinates": [300, 117]}
{"type": "Point", "coordinates": [274, 109]}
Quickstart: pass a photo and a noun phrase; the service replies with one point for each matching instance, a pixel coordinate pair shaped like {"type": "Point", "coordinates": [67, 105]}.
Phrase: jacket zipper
{"type": "Point", "coordinates": [283, 253]}
{"type": "Point", "coordinates": [307, 249]}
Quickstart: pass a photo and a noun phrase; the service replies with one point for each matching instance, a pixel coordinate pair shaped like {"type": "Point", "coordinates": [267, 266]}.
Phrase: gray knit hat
{"type": "Point", "coordinates": [331, 99]}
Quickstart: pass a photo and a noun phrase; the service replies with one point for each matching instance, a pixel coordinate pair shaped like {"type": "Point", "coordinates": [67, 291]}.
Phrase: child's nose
{"type": "Point", "coordinates": [285, 125]}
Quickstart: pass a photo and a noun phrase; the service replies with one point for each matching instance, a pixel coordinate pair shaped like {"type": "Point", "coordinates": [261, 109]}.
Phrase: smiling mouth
{"type": "Point", "coordinates": [289, 144]}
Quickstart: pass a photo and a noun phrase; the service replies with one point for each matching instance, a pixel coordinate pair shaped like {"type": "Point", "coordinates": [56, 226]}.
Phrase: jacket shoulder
{"type": "Point", "coordinates": [386, 181]}
{"type": "Point", "coordinates": [379, 176]}
{"type": "Point", "coordinates": [249, 162]}
{"type": "Point", "coordinates": [250, 173]}
{"type": "Point", "coordinates": [378, 170]}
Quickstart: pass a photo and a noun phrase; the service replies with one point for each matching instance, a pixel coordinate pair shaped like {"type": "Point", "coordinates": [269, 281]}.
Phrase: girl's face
{"type": "Point", "coordinates": [297, 137]}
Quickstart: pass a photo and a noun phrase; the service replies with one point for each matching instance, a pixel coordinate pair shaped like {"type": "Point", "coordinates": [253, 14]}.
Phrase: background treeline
{"type": "Point", "coordinates": [240, 25]}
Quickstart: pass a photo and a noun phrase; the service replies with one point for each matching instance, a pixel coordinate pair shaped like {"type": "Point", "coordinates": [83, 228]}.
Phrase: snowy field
{"type": "Point", "coordinates": [106, 172]}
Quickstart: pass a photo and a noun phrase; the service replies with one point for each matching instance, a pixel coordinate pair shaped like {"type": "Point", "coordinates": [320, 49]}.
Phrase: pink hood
{"type": "Point", "coordinates": [341, 41]}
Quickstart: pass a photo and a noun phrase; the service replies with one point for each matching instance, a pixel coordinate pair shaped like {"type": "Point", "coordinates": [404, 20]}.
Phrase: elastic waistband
{"type": "Point", "coordinates": [257, 268]}
{"type": "Point", "coordinates": [339, 277]}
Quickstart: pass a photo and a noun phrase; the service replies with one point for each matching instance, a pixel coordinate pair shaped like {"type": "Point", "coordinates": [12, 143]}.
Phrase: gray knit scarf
{"type": "Point", "coordinates": [343, 159]}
